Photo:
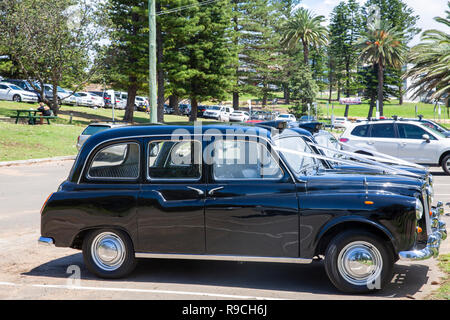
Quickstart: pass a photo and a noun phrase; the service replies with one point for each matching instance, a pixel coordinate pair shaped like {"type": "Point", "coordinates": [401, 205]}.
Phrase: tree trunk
{"type": "Point", "coordinates": [371, 107]}
{"type": "Point", "coordinates": [194, 109]}
{"type": "Point", "coordinates": [132, 89]}
{"type": "Point", "coordinates": [339, 90]}
{"type": "Point", "coordinates": [380, 87]}
{"type": "Point", "coordinates": [160, 71]}
{"type": "Point", "coordinates": [305, 53]}
{"type": "Point", "coordinates": [55, 105]}
{"type": "Point", "coordinates": [173, 103]}
{"type": "Point", "coordinates": [287, 94]}
{"type": "Point", "coordinates": [400, 94]}
{"type": "Point", "coordinates": [236, 100]}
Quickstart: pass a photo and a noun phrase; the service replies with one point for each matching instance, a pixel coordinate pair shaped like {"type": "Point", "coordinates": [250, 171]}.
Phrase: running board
{"type": "Point", "coordinates": [221, 257]}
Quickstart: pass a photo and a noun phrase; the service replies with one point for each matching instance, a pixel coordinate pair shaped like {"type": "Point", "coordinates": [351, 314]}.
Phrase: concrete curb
{"type": "Point", "coordinates": [31, 161]}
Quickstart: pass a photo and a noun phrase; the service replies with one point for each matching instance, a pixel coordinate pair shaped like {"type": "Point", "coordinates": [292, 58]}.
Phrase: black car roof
{"type": "Point", "coordinates": [162, 129]}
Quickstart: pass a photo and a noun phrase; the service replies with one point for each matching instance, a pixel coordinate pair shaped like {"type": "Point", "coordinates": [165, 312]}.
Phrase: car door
{"type": "Point", "coordinates": [171, 203]}
{"type": "Point", "coordinates": [412, 146]}
{"type": "Point", "coordinates": [383, 138]}
{"type": "Point", "coordinates": [251, 206]}
{"type": "Point", "coordinates": [3, 92]}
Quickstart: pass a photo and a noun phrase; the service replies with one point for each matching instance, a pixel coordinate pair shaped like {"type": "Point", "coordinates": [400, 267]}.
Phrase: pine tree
{"type": "Point", "coordinates": [127, 55]}
{"type": "Point", "coordinates": [345, 28]}
{"type": "Point", "coordinates": [198, 56]}
{"type": "Point", "coordinates": [259, 63]}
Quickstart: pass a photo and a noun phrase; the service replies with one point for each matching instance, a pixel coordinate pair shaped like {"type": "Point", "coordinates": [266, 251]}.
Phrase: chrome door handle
{"type": "Point", "coordinates": [210, 192]}
{"type": "Point", "coordinates": [200, 192]}
{"type": "Point", "coordinates": [370, 142]}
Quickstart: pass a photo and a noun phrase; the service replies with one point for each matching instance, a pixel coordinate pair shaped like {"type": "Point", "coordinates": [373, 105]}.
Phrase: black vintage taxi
{"type": "Point", "coordinates": [234, 192]}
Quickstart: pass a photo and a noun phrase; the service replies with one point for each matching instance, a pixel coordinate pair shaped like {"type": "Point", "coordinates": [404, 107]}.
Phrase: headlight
{"type": "Point", "coordinates": [419, 209]}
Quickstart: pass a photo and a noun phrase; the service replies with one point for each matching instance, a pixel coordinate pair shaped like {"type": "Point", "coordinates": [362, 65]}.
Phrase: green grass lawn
{"type": "Point", "coordinates": [22, 141]}
{"type": "Point", "coordinates": [391, 108]}
{"type": "Point", "coordinates": [19, 142]}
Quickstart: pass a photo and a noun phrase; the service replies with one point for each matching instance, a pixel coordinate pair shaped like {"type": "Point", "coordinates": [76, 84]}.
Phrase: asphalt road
{"type": "Point", "coordinates": [28, 271]}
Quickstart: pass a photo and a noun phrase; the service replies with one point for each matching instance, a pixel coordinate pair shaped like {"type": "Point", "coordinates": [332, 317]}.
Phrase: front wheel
{"type": "Point", "coordinates": [109, 253]}
{"type": "Point", "coordinates": [17, 98]}
{"type": "Point", "coordinates": [357, 261]}
{"type": "Point", "coordinates": [446, 164]}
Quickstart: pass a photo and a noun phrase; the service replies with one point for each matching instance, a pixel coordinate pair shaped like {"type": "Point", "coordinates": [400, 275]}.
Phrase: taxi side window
{"type": "Point", "coordinates": [119, 161]}
{"type": "Point", "coordinates": [174, 160]}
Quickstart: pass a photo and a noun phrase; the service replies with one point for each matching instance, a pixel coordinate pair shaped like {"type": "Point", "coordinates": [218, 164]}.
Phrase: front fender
{"type": "Point", "coordinates": [392, 216]}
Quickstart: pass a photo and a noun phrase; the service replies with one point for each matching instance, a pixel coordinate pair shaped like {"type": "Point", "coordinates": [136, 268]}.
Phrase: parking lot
{"type": "Point", "coordinates": [28, 271]}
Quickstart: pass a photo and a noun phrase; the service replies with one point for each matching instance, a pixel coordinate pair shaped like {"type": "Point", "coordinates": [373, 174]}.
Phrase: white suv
{"type": "Point", "coordinates": [221, 113]}
{"type": "Point", "coordinates": [408, 140]}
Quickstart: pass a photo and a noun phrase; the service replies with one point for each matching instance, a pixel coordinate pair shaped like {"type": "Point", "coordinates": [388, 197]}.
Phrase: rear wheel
{"type": "Point", "coordinates": [358, 261]}
{"type": "Point", "coordinates": [446, 164]}
{"type": "Point", "coordinates": [109, 253]}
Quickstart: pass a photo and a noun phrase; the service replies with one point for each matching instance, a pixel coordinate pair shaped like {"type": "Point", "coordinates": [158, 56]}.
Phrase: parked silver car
{"type": "Point", "coordinates": [93, 128]}
{"type": "Point", "coordinates": [9, 91]}
{"type": "Point", "coordinates": [408, 140]}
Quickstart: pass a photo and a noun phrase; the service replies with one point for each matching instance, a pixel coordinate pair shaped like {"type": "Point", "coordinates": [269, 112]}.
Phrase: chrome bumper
{"type": "Point", "coordinates": [438, 234]}
{"type": "Point", "coordinates": [43, 241]}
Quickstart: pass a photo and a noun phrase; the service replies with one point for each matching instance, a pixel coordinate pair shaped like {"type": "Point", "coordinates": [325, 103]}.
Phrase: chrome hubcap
{"type": "Point", "coordinates": [360, 263]}
{"type": "Point", "coordinates": [108, 251]}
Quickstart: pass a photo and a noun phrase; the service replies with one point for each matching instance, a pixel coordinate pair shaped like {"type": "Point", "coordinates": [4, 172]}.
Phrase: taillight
{"type": "Point", "coordinates": [343, 140]}
{"type": "Point", "coordinates": [78, 140]}
{"type": "Point", "coordinates": [43, 206]}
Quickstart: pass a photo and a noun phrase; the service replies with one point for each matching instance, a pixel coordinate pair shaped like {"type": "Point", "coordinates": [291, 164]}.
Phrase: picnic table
{"type": "Point", "coordinates": [31, 115]}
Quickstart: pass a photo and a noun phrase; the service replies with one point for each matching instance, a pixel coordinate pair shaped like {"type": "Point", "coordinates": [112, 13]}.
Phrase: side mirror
{"type": "Point", "coordinates": [426, 137]}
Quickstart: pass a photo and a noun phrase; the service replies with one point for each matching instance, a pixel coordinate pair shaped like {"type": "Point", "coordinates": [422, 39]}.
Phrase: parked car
{"type": "Point", "coordinates": [307, 118]}
{"type": "Point", "coordinates": [282, 206]}
{"type": "Point", "coordinates": [341, 122]}
{"type": "Point", "coordinates": [121, 99]}
{"type": "Point", "coordinates": [141, 104]}
{"type": "Point", "coordinates": [9, 91]}
{"type": "Point", "coordinates": [262, 115]}
{"type": "Point", "coordinates": [106, 97]}
{"type": "Point", "coordinates": [90, 100]}
{"type": "Point", "coordinates": [185, 109]}
{"type": "Point", "coordinates": [94, 128]}
{"type": "Point", "coordinates": [426, 122]}
{"type": "Point", "coordinates": [407, 140]}
{"type": "Point", "coordinates": [71, 99]}
{"type": "Point", "coordinates": [221, 113]}
{"type": "Point", "coordinates": [240, 116]}
{"type": "Point", "coordinates": [25, 85]}
{"type": "Point", "coordinates": [286, 117]}
{"type": "Point", "coordinates": [60, 92]}
{"type": "Point", "coordinates": [201, 110]}
{"type": "Point", "coordinates": [168, 109]}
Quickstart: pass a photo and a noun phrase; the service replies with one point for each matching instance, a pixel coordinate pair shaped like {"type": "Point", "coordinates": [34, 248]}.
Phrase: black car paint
{"type": "Point", "coordinates": [244, 218]}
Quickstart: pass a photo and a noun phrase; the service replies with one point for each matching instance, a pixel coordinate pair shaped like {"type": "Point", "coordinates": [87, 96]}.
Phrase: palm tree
{"type": "Point", "coordinates": [382, 47]}
{"type": "Point", "coordinates": [432, 62]}
{"type": "Point", "coordinates": [307, 28]}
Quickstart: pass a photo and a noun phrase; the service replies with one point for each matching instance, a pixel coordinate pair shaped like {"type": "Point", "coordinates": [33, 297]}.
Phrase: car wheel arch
{"type": "Point", "coordinates": [77, 241]}
{"type": "Point", "coordinates": [330, 230]}
{"type": "Point", "coordinates": [446, 153]}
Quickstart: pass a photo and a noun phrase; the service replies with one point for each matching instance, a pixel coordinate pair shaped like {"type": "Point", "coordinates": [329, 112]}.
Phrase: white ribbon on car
{"type": "Point", "coordinates": [382, 157]}
{"type": "Point", "coordinates": [373, 164]}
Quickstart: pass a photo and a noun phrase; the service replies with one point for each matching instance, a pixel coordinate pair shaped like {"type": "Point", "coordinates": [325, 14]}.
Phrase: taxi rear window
{"type": "Point", "coordinates": [90, 130]}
